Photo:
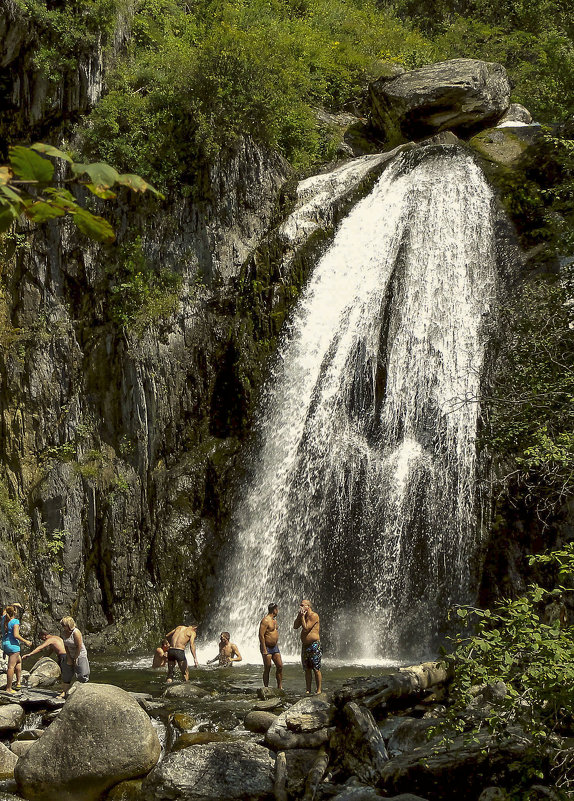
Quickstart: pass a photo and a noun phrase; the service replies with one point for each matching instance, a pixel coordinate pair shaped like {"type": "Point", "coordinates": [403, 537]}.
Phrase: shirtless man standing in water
{"type": "Point", "coordinates": [178, 639]}
{"type": "Point", "coordinates": [268, 639]}
{"type": "Point", "coordinates": [228, 651]}
{"type": "Point", "coordinates": [311, 652]}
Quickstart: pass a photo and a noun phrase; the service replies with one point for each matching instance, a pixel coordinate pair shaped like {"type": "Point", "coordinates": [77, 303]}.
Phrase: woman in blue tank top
{"type": "Point", "coordinates": [11, 640]}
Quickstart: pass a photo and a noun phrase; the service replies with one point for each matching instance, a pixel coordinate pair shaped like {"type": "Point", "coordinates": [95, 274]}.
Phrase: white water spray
{"type": "Point", "coordinates": [362, 487]}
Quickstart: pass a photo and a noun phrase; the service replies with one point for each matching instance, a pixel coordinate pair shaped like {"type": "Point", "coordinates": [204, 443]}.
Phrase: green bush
{"type": "Point", "coordinates": [194, 81]}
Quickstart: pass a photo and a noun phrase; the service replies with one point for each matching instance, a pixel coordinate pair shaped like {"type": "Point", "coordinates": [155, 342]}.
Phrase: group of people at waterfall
{"type": "Point", "coordinates": [69, 649]}
{"type": "Point", "coordinates": [171, 651]}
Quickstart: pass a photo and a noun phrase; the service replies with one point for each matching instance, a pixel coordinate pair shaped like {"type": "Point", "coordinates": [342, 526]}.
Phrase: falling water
{"type": "Point", "coordinates": [362, 487]}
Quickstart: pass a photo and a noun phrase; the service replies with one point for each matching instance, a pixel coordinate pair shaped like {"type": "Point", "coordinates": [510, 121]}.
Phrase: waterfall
{"type": "Point", "coordinates": [361, 488]}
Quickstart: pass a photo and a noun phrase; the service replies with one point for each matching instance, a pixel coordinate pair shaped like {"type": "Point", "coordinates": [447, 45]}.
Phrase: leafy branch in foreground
{"type": "Point", "coordinates": [526, 644]}
{"type": "Point", "coordinates": [28, 188]}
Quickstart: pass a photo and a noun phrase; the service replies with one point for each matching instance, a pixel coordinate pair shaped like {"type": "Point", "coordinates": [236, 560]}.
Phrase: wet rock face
{"type": "Point", "coordinates": [456, 95]}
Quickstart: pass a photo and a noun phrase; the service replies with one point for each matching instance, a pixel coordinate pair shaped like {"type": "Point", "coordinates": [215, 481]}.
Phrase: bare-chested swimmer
{"type": "Point", "coordinates": [311, 652]}
{"type": "Point", "coordinates": [178, 638]}
{"type": "Point", "coordinates": [268, 645]}
{"type": "Point", "coordinates": [228, 651]}
{"type": "Point", "coordinates": [160, 654]}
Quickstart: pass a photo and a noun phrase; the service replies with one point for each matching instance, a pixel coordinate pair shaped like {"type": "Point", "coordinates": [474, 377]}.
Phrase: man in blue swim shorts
{"type": "Point", "coordinates": [308, 621]}
{"type": "Point", "coordinates": [268, 645]}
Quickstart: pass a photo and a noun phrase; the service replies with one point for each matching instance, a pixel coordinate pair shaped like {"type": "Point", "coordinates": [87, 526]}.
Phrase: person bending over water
{"type": "Point", "coordinates": [11, 639]}
{"type": "Point", "coordinates": [311, 652]}
{"type": "Point", "coordinates": [76, 655]}
{"type": "Point", "coordinates": [160, 654]}
{"type": "Point", "coordinates": [52, 644]}
{"type": "Point", "coordinates": [178, 638]}
{"type": "Point", "coordinates": [228, 651]}
{"type": "Point", "coordinates": [268, 645]}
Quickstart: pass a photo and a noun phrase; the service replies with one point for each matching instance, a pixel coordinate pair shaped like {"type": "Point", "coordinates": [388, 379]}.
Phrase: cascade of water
{"type": "Point", "coordinates": [362, 488]}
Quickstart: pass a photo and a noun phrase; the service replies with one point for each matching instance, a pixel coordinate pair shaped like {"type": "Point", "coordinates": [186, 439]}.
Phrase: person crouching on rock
{"type": "Point", "coordinates": [11, 640]}
{"type": "Point", "coordinates": [178, 638]}
{"type": "Point", "coordinates": [76, 655]}
{"type": "Point", "coordinates": [51, 644]}
{"type": "Point", "coordinates": [228, 651]}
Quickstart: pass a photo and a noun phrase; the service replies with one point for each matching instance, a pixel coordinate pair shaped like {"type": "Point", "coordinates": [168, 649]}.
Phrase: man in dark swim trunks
{"type": "Point", "coordinates": [308, 621]}
{"type": "Point", "coordinates": [178, 638]}
{"type": "Point", "coordinates": [268, 645]}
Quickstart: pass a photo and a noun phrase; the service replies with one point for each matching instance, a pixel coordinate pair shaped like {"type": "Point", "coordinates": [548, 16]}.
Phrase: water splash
{"type": "Point", "coordinates": [362, 487]}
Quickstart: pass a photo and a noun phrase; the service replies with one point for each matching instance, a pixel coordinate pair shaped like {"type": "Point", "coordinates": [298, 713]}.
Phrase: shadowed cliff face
{"type": "Point", "coordinates": [122, 423]}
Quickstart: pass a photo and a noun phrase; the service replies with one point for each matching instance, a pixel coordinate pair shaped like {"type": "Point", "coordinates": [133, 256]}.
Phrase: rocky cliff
{"type": "Point", "coordinates": [129, 373]}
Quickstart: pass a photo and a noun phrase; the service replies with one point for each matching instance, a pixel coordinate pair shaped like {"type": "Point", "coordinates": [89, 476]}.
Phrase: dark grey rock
{"type": "Point", "coordinates": [410, 734]}
{"type": "Point", "coordinates": [8, 760]}
{"type": "Point", "coordinates": [185, 690]}
{"type": "Point", "coordinates": [101, 737]}
{"type": "Point", "coordinates": [212, 772]}
{"type": "Point", "coordinates": [11, 717]}
{"type": "Point", "coordinates": [319, 714]}
{"type": "Point", "coordinates": [259, 721]}
{"type": "Point", "coordinates": [516, 113]}
{"type": "Point", "coordinates": [359, 744]}
{"type": "Point", "coordinates": [268, 705]}
{"type": "Point", "coordinates": [21, 747]}
{"type": "Point", "coordinates": [456, 95]}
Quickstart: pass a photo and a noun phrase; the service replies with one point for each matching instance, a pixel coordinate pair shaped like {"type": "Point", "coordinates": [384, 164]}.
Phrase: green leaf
{"type": "Point", "coordinates": [105, 194]}
{"type": "Point", "coordinates": [95, 227]}
{"type": "Point", "coordinates": [40, 211]}
{"type": "Point", "coordinates": [138, 184]}
{"type": "Point", "coordinates": [51, 151]}
{"type": "Point", "coordinates": [99, 173]}
{"type": "Point", "coordinates": [29, 166]}
{"type": "Point", "coordinates": [7, 216]}
{"type": "Point", "coordinates": [10, 193]}
{"type": "Point", "coordinates": [62, 197]}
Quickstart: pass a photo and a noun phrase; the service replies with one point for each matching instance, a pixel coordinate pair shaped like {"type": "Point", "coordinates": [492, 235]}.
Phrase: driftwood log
{"type": "Point", "coordinates": [378, 691]}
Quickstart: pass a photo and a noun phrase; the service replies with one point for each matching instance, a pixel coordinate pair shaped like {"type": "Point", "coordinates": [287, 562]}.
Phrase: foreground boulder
{"type": "Point", "coordinates": [213, 772]}
{"type": "Point", "coordinates": [11, 718]}
{"type": "Point", "coordinates": [457, 95]}
{"type": "Point", "coordinates": [360, 744]}
{"type": "Point", "coordinates": [100, 738]}
{"type": "Point", "coordinates": [8, 762]}
{"type": "Point", "coordinates": [304, 725]}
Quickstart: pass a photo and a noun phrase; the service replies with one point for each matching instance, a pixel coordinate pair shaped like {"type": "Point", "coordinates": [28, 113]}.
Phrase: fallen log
{"type": "Point", "coordinates": [377, 691]}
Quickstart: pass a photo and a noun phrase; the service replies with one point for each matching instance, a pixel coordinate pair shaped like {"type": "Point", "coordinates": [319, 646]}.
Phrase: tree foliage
{"type": "Point", "coordinates": [521, 643]}
{"type": "Point", "coordinates": [29, 187]}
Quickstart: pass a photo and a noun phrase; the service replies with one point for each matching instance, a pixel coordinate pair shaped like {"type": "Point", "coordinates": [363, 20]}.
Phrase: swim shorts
{"type": "Point", "coordinates": [311, 656]}
{"type": "Point", "coordinates": [175, 655]}
{"type": "Point", "coordinates": [273, 649]}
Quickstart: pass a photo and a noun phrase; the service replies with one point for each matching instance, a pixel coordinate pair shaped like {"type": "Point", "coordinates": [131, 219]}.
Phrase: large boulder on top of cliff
{"type": "Point", "coordinates": [101, 737]}
{"type": "Point", "coordinates": [459, 95]}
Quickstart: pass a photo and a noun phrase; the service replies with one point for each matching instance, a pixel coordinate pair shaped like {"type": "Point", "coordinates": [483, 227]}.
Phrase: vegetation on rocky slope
{"type": "Point", "coordinates": [192, 78]}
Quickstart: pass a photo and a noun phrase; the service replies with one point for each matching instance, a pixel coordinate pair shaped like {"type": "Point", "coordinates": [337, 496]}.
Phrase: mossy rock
{"type": "Point", "coordinates": [499, 145]}
{"type": "Point", "coordinates": [126, 791]}
{"type": "Point", "coordinates": [183, 722]}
